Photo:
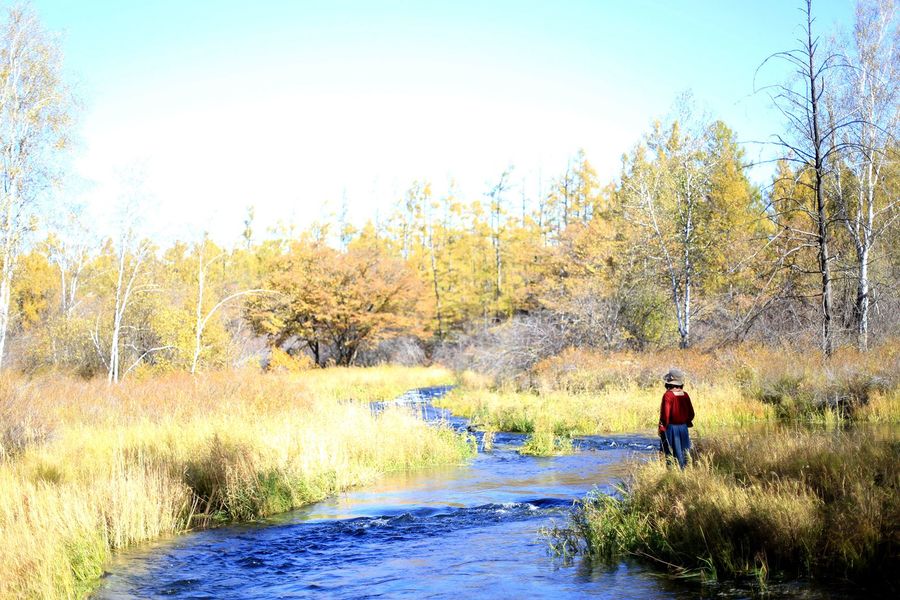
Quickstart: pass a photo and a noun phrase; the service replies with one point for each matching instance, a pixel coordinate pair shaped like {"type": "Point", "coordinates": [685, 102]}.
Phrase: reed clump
{"type": "Point", "coordinates": [546, 443]}
{"type": "Point", "coordinates": [783, 504]}
{"type": "Point", "coordinates": [87, 469]}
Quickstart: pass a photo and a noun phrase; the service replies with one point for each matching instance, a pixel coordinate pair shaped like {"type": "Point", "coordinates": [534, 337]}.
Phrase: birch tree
{"type": "Point", "coordinates": [130, 256]}
{"type": "Point", "coordinates": [69, 248]}
{"type": "Point", "coordinates": [868, 103]}
{"type": "Point", "coordinates": [33, 125]}
{"type": "Point", "coordinates": [684, 191]}
{"type": "Point", "coordinates": [130, 252]}
{"type": "Point", "coordinates": [203, 316]}
{"type": "Point", "coordinates": [663, 196]}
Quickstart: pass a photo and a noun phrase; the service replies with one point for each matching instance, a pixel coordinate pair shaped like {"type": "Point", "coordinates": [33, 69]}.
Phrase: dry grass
{"type": "Point", "coordinates": [789, 503]}
{"type": "Point", "coordinates": [582, 392]}
{"type": "Point", "coordinates": [754, 367]}
{"type": "Point", "coordinates": [608, 411]}
{"type": "Point", "coordinates": [86, 469]}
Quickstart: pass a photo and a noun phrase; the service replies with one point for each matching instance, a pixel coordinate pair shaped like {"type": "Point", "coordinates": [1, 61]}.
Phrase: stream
{"type": "Point", "coordinates": [450, 532]}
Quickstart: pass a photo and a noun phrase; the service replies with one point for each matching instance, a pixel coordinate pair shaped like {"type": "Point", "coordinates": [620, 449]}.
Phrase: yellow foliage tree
{"type": "Point", "coordinates": [335, 303]}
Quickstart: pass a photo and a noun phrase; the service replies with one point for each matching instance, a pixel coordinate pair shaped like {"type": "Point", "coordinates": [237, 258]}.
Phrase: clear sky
{"type": "Point", "coordinates": [293, 105]}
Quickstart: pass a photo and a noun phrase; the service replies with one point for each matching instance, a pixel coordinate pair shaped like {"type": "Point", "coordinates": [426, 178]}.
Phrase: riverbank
{"type": "Point", "coordinates": [443, 532]}
{"type": "Point", "coordinates": [588, 393]}
{"type": "Point", "coordinates": [87, 469]}
{"type": "Point", "coordinates": [778, 505]}
{"type": "Point", "coordinates": [780, 489]}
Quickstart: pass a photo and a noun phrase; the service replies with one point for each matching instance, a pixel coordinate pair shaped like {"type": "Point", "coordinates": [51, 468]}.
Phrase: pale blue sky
{"type": "Point", "coordinates": [291, 105]}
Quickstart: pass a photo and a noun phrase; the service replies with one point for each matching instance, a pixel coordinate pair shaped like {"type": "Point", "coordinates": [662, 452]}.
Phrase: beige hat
{"type": "Point", "coordinates": [674, 377]}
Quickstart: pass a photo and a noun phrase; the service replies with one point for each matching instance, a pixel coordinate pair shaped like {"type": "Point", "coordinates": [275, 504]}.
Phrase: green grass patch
{"type": "Point", "coordinates": [546, 443]}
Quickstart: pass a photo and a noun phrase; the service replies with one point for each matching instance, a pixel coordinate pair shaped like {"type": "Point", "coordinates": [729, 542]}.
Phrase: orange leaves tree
{"type": "Point", "coordinates": [336, 303]}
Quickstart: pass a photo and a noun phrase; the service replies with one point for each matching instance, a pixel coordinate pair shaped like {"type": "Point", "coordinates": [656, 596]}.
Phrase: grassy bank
{"type": "Point", "coordinates": [784, 504]}
{"type": "Point", "coordinates": [615, 410]}
{"type": "Point", "coordinates": [86, 469]}
{"type": "Point", "coordinates": [583, 392]}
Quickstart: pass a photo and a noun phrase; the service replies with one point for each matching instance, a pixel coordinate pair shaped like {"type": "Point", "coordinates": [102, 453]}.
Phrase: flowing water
{"type": "Point", "coordinates": [470, 530]}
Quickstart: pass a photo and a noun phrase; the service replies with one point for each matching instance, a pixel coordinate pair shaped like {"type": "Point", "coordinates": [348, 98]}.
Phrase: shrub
{"type": "Point", "coordinates": [282, 362]}
{"type": "Point", "coordinates": [24, 422]}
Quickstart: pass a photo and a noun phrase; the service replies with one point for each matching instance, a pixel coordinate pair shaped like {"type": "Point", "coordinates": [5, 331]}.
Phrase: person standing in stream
{"type": "Point", "coordinates": [676, 414]}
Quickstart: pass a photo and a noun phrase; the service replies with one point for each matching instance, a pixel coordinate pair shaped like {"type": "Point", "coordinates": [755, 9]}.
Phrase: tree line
{"type": "Point", "coordinates": [680, 249]}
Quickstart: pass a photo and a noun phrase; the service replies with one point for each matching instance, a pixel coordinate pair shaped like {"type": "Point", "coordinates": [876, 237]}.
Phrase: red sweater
{"type": "Point", "coordinates": [676, 408]}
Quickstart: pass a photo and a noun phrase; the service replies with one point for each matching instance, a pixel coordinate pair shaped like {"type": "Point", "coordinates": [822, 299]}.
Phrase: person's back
{"type": "Point", "coordinates": [676, 414]}
{"type": "Point", "coordinates": [678, 404]}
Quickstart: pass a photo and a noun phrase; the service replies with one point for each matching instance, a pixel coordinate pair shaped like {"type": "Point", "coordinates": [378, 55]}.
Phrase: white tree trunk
{"type": "Point", "coordinates": [5, 295]}
{"type": "Point", "coordinates": [862, 301]}
{"type": "Point", "coordinates": [198, 327]}
{"type": "Point", "coordinates": [123, 294]}
{"type": "Point", "coordinates": [32, 106]}
{"type": "Point", "coordinates": [113, 374]}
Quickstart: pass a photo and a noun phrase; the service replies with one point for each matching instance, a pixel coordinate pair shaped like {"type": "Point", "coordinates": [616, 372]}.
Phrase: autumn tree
{"type": "Point", "coordinates": [430, 232]}
{"type": "Point", "coordinates": [808, 147]}
{"type": "Point", "coordinates": [207, 305]}
{"type": "Point", "coordinates": [572, 197]}
{"type": "Point", "coordinates": [33, 126]}
{"type": "Point", "coordinates": [68, 249]}
{"type": "Point", "coordinates": [588, 280]}
{"type": "Point", "coordinates": [498, 221]}
{"type": "Point", "coordinates": [129, 253]}
{"type": "Point", "coordinates": [684, 190]}
{"type": "Point", "coordinates": [35, 289]}
{"type": "Point", "coordinates": [335, 303]}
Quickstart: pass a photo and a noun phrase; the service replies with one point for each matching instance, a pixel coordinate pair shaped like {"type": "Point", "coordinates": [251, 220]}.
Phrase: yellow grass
{"type": "Point", "coordinates": [608, 411]}
{"type": "Point", "coordinates": [787, 502]}
{"type": "Point", "coordinates": [582, 392]}
{"type": "Point", "coordinates": [371, 384]}
{"type": "Point", "coordinates": [86, 469]}
{"type": "Point", "coordinates": [883, 407]}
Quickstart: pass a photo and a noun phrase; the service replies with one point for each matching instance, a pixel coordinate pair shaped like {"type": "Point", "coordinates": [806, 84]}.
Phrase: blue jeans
{"type": "Point", "coordinates": [679, 442]}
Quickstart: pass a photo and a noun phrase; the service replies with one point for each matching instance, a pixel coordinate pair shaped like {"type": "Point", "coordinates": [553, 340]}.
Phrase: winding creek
{"type": "Point", "coordinates": [462, 531]}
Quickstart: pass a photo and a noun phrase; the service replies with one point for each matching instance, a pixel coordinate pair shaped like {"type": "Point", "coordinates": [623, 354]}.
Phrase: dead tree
{"type": "Point", "coordinates": [808, 148]}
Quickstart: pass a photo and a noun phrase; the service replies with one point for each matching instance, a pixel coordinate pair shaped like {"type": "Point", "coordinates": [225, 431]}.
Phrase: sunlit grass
{"type": "Point", "coordinates": [371, 384]}
{"type": "Point", "coordinates": [757, 501]}
{"type": "Point", "coordinates": [546, 443]}
{"type": "Point", "coordinates": [584, 392]}
{"type": "Point", "coordinates": [787, 503]}
{"type": "Point", "coordinates": [608, 411]}
{"type": "Point", "coordinates": [883, 407]}
{"type": "Point", "coordinates": [87, 469]}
